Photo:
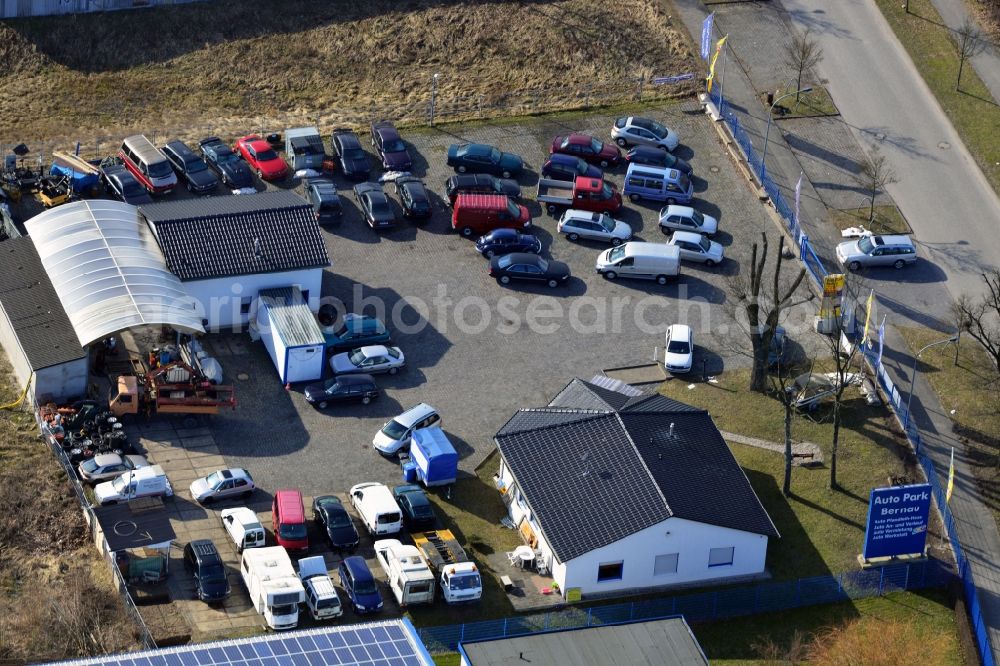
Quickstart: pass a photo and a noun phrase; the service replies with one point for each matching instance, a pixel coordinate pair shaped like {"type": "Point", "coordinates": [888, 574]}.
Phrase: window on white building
{"type": "Point", "coordinates": [609, 571]}
{"type": "Point", "coordinates": [720, 557]}
{"type": "Point", "coordinates": [665, 564]}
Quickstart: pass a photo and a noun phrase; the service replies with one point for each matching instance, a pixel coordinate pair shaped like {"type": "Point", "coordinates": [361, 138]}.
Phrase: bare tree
{"type": "Point", "coordinates": [844, 361]}
{"type": "Point", "coordinates": [763, 307]}
{"type": "Point", "coordinates": [801, 55]}
{"type": "Point", "coordinates": [875, 175]}
{"type": "Point", "coordinates": [970, 44]}
{"type": "Point", "coordinates": [980, 317]}
{"type": "Point", "coordinates": [781, 385]}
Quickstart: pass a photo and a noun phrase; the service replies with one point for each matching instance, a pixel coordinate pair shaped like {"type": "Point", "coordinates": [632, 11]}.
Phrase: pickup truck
{"type": "Point", "coordinates": [584, 193]}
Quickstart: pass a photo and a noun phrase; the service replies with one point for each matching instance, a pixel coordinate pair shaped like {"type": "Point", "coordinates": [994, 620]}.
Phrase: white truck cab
{"type": "Point", "coordinates": [459, 577]}
{"type": "Point", "coordinates": [407, 572]}
{"type": "Point", "coordinates": [275, 589]}
{"type": "Point", "coordinates": [377, 507]}
{"type": "Point", "coordinates": [243, 528]}
{"type": "Point", "coordinates": [321, 596]}
{"type": "Point", "coordinates": [143, 482]}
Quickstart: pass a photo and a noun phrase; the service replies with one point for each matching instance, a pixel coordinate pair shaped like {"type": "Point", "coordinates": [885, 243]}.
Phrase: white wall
{"type": "Point", "coordinates": [11, 345]}
{"type": "Point", "coordinates": [691, 541]}
{"type": "Point", "coordinates": [67, 380]}
{"type": "Point", "coordinates": [219, 299]}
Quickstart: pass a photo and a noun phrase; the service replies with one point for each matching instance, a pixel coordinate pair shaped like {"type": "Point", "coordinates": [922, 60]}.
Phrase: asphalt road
{"type": "Point", "coordinates": [948, 202]}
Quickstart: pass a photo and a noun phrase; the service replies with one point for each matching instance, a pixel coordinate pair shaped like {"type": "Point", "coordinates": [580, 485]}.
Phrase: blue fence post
{"type": "Point", "coordinates": [505, 627]}
{"type": "Point", "coordinates": [881, 580]}
{"type": "Point", "coordinates": [631, 611]}
{"type": "Point", "coordinates": [906, 581]}
{"type": "Point", "coordinates": [461, 632]}
{"type": "Point", "coordinates": [590, 613]}
{"type": "Point", "coordinates": [840, 584]}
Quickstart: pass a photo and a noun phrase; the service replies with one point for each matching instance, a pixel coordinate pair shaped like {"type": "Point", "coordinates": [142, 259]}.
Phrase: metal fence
{"type": "Point", "coordinates": [145, 635]}
{"type": "Point", "coordinates": [706, 606]}
{"type": "Point", "coordinates": [972, 600]}
{"type": "Point", "coordinates": [52, 7]}
{"type": "Point", "coordinates": [807, 254]}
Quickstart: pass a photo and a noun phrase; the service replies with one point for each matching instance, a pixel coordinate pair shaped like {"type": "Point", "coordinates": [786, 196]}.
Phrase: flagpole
{"type": "Point", "coordinates": [722, 78]}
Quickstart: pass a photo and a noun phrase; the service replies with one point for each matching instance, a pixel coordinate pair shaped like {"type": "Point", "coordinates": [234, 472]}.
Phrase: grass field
{"type": "Point", "coordinates": [53, 582]}
{"type": "Point", "coordinates": [888, 220]}
{"type": "Point", "coordinates": [822, 531]}
{"type": "Point", "coordinates": [972, 110]}
{"type": "Point", "coordinates": [229, 63]}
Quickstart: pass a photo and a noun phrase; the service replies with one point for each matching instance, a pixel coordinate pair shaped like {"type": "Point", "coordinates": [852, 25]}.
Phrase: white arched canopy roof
{"type": "Point", "coordinates": [108, 270]}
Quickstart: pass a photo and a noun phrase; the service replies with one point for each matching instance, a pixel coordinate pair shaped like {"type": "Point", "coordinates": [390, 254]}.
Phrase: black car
{"type": "Point", "coordinates": [329, 512]}
{"type": "Point", "coordinates": [375, 206]}
{"type": "Point", "coordinates": [652, 156]}
{"type": "Point", "coordinates": [414, 198]}
{"type": "Point", "coordinates": [569, 167]}
{"type": "Point", "coordinates": [202, 560]}
{"type": "Point", "coordinates": [191, 168]}
{"type": "Point", "coordinates": [352, 157]}
{"type": "Point", "coordinates": [341, 389]}
{"type": "Point", "coordinates": [418, 514]}
{"type": "Point", "coordinates": [390, 147]}
{"type": "Point", "coordinates": [505, 241]}
{"type": "Point", "coordinates": [484, 158]}
{"type": "Point", "coordinates": [122, 185]}
{"type": "Point", "coordinates": [479, 183]}
{"type": "Point", "coordinates": [522, 266]}
{"type": "Point", "coordinates": [231, 170]}
{"type": "Point", "coordinates": [322, 195]}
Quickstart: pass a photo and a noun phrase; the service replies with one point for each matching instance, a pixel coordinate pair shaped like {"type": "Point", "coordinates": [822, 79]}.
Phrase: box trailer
{"type": "Point", "coordinates": [291, 335]}
{"type": "Point", "coordinates": [304, 148]}
{"type": "Point", "coordinates": [435, 457]}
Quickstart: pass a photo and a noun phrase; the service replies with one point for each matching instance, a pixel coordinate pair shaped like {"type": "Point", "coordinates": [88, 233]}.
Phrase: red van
{"type": "Point", "coordinates": [482, 213]}
{"type": "Point", "coordinates": [288, 518]}
{"type": "Point", "coordinates": [147, 164]}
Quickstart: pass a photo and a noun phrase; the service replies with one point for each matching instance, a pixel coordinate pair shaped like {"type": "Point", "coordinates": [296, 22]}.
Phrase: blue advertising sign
{"type": "Point", "coordinates": [706, 36]}
{"type": "Point", "coordinates": [897, 521]}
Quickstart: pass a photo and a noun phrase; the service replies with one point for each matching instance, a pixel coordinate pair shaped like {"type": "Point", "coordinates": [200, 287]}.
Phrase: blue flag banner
{"type": "Point", "coordinates": [897, 521]}
{"type": "Point", "coordinates": [706, 36]}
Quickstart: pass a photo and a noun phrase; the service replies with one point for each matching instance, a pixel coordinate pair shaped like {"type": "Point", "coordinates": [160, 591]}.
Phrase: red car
{"type": "Point", "coordinates": [261, 157]}
{"type": "Point", "coordinates": [587, 148]}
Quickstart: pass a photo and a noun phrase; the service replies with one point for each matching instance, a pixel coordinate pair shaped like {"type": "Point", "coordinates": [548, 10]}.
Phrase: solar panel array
{"type": "Point", "coordinates": [377, 644]}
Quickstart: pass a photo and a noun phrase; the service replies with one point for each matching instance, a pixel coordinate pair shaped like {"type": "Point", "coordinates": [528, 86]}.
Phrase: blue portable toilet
{"type": "Point", "coordinates": [434, 456]}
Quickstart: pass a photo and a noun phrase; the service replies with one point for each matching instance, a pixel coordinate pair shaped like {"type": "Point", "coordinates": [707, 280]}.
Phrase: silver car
{"type": "Point", "coordinates": [695, 247]}
{"type": "Point", "coordinates": [577, 224]}
{"type": "Point", "coordinates": [635, 131]}
{"type": "Point", "coordinates": [895, 251]}
{"type": "Point", "coordinates": [106, 466]}
{"type": "Point", "coordinates": [686, 218]}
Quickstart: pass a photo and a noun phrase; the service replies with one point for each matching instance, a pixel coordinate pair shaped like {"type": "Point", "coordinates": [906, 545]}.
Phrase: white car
{"type": "Point", "coordinates": [695, 247]}
{"type": "Point", "coordinates": [235, 482]}
{"type": "Point", "coordinates": [243, 527]}
{"type": "Point", "coordinates": [577, 224]}
{"type": "Point", "coordinates": [106, 466]}
{"type": "Point", "coordinates": [369, 360]}
{"type": "Point", "coordinates": [678, 349]}
{"type": "Point", "coordinates": [635, 131]}
{"type": "Point", "coordinates": [685, 218]}
{"type": "Point", "coordinates": [397, 433]}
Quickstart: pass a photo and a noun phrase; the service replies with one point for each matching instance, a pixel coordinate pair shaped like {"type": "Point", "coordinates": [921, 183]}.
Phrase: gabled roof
{"type": "Point", "coordinates": [594, 476]}
{"type": "Point", "coordinates": [224, 236]}
{"type": "Point", "coordinates": [30, 302]}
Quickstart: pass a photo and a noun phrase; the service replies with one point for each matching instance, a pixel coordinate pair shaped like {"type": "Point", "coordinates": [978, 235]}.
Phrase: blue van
{"type": "Point", "coordinates": [359, 583]}
{"type": "Point", "coordinates": [657, 183]}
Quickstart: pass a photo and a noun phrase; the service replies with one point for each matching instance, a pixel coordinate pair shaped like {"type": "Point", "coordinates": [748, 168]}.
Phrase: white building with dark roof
{"type": "Point", "coordinates": [623, 493]}
{"type": "Point", "coordinates": [226, 249]}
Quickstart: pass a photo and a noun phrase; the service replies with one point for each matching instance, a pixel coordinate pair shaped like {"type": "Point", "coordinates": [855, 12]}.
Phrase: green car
{"type": "Point", "coordinates": [357, 331]}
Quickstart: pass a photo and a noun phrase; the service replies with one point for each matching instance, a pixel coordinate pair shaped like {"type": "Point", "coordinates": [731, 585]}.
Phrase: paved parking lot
{"type": "Point", "coordinates": [475, 350]}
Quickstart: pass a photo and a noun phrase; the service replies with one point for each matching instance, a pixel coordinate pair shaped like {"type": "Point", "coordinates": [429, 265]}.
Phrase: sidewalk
{"type": "Point", "coordinates": [758, 33]}
{"type": "Point", "coordinates": [987, 63]}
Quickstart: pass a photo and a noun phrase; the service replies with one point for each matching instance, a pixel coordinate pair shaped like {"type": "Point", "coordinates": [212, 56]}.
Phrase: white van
{"type": "Point", "coordinates": [651, 261]}
{"type": "Point", "coordinates": [243, 528]}
{"type": "Point", "coordinates": [150, 167]}
{"type": "Point", "coordinates": [377, 507]}
{"type": "Point", "coordinates": [321, 596]}
{"type": "Point", "coordinates": [143, 482]}
{"type": "Point", "coordinates": [396, 434]}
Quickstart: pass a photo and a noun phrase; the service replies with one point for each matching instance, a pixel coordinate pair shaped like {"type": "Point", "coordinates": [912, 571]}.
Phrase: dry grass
{"type": "Point", "coordinates": [231, 62]}
{"type": "Point", "coordinates": [870, 642]}
{"type": "Point", "coordinates": [56, 596]}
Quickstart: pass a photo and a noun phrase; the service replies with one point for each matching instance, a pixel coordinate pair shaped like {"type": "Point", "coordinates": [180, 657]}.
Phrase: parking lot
{"type": "Point", "coordinates": [475, 350]}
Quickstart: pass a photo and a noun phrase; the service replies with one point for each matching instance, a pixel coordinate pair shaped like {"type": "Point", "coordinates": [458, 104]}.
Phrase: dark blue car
{"type": "Point", "coordinates": [359, 584]}
{"type": "Point", "coordinates": [483, 158]}
{"type": "Point", "coordinates": [504, 241]}
{"type": "Point", "coordinates": [569, 167]}
{"type": "Point", "coordinates": [652, 156]}
{"type": "Point", "coordinates": [231, 170]}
